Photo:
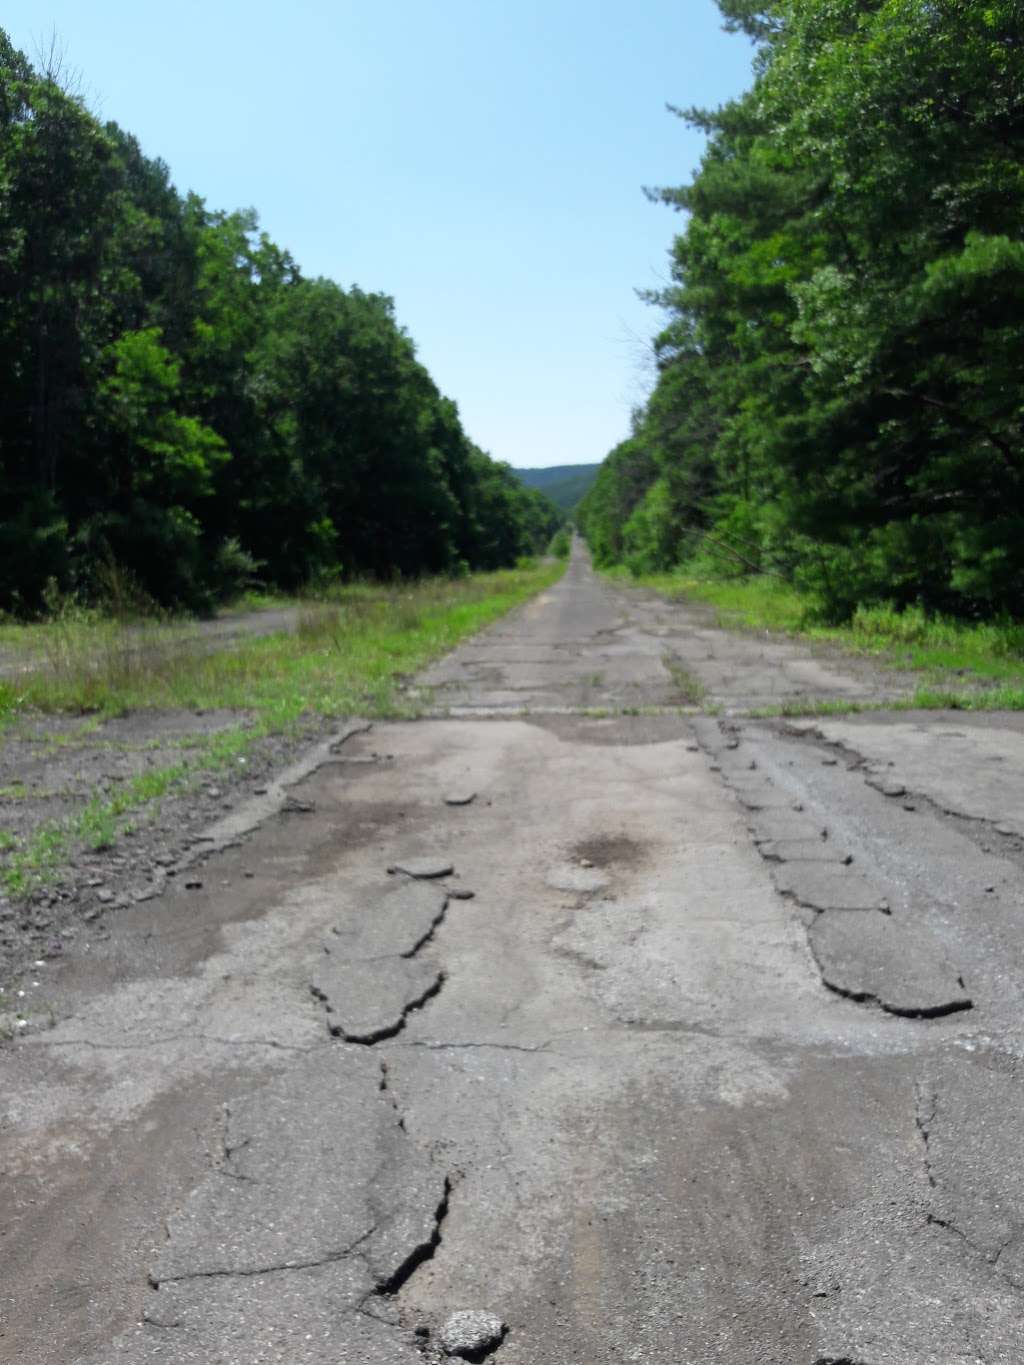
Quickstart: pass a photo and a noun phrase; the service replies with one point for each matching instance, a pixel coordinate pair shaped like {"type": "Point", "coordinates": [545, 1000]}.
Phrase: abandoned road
{"type": "Point", "coordinates": [655, 1032]}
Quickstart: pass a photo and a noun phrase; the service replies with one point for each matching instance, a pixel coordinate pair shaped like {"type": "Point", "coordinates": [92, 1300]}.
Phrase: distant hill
{"type": "Point", "coordinates": [564, 484]}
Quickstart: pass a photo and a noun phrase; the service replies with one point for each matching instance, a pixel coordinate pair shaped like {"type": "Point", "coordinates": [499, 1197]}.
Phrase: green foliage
{"type": "Point", "coordinates": [649, 537]}
{"type": "Point", "coordinates": [621, 483]}
{"type": "Point", "coordinates": [560, 544]}
{"type": "Point", "coordinates": [180, 401]}
{"type": "Point", "coordinates": [841, 376]}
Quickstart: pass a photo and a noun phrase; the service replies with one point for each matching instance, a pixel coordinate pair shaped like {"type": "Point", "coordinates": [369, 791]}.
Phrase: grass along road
{"type": "Point", "coordinates": [350, 655]}
{"type": "Point", "coordinates": [963, 666]}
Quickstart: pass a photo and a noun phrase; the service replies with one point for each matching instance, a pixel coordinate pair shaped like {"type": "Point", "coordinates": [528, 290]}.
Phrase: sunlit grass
{"type": "Point", "coordinates": [348, 655]}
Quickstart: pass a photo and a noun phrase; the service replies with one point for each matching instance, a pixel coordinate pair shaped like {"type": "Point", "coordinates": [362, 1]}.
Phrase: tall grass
{"type": "Point", "coordinates": [348, 654]}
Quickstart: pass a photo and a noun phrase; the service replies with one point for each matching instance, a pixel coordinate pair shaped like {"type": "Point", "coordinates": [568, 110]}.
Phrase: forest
{"type": "Point", "coordinates": [839, 386]}
{"type": "Point", "coordinates": [187, 412]}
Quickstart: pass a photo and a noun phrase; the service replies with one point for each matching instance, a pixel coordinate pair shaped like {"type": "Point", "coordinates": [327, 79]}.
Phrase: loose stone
{"type": "Point", "coordinates": [469, 1333]}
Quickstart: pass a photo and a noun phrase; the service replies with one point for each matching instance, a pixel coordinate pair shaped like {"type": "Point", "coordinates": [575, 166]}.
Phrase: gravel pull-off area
{"type": "Point", "coordinates": [692, 1038]}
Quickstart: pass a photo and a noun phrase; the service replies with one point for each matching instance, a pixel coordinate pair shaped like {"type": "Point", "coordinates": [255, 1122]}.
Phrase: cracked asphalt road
{"type": "Point", "coordinates": [721, 1061]}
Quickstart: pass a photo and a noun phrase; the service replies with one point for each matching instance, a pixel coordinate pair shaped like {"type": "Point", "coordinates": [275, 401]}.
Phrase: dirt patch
{"type": "Point", "coordinates": [609, 850]}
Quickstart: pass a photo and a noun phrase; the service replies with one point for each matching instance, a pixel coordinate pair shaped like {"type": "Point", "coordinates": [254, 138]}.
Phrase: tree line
{"type": "Point", "coordinates": [840, 378]}
{"type": "Point", "coordinates": [181, 402]}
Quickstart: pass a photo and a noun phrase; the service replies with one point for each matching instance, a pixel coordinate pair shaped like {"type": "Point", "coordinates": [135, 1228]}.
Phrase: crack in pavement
{"type": "Point", "coordinates": [420, 1254]}
{"type": "Point", "coordinates": [330, 1259]}
{"type": "Point", "coordinates": [926, 1110]}
{"type": "Point", "coordinates": [167, 1040]}
{"type": "Point", "coordinates": [499, 1047]}
{"type": "Point", "coordinates": [431, 930]}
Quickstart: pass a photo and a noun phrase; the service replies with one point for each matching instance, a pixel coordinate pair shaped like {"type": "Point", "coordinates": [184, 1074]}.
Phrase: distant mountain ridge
{"type": "Point", "coordinates": [564, 484]}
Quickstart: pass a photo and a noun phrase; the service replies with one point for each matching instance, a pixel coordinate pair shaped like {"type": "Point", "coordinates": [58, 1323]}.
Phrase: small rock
{"type": "Point", "coordinates": [468, 1334]}
{"type": "Point", "coordinates": [247, 873]}
{"type": "Point", "coordinates": [585, 862]}
{"type": "Point", "coordinates": [459, 798]}
{"type": "Point", "coordinates": [260, 791]}
{"type": "Point", "coordinates": [909, 805]}
{"type": "Point", "coordinates": [829, 762]}
{"type": "Point", "coordinates": [193, 884]}
{"type": "Point", "coordinates": [693, 748]}
{"type": "Point", "coordinates": [460, 893]}
{"type": "Point", "coordinates": [104, 896]}
{"type": "Point", "coordinates": [1005, 829]}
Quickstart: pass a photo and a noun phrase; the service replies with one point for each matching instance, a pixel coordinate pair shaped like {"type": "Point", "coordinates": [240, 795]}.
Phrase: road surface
{"type": "Point", "coordinates": [720, 1062]}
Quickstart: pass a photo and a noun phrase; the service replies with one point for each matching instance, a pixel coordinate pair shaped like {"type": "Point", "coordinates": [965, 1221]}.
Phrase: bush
{"type": "Point", "coordinates": [560, 544]}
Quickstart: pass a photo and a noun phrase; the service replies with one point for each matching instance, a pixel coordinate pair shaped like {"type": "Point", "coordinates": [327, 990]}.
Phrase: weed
{"type": "Point", "coordinates": [689, 687]}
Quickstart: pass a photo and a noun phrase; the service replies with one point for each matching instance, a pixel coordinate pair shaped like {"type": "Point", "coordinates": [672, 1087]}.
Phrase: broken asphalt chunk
{"type": "Point", "coordinates": [828, 887]}
{"type": "Point", "coordinates": [815, 850]}
{"type": "Point", "coordinates": [397, 924]}
{"type": "Point", "coordinates": [900, 965]}
{"type": "Point", "coordinates": [368, 1002]}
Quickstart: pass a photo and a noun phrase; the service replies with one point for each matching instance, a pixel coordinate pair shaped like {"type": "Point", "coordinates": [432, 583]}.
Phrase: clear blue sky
{"type": "Point", "coordinates": [479, 160]}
